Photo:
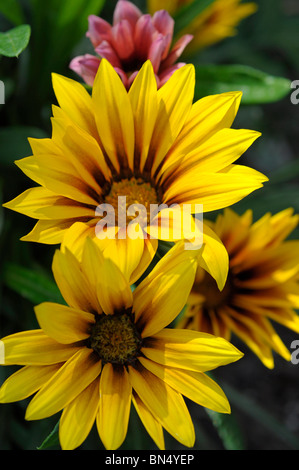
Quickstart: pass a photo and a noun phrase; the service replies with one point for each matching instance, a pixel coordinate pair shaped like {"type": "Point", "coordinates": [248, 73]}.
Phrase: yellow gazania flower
{"type": "Point", "coordinates": [109, 347]}
{"type": "Point", "coordinates": [153, 147]}
{"type": "Point", "coordinates": [262, 284]}
{"type": "Point", "coordinates": [216, 23]}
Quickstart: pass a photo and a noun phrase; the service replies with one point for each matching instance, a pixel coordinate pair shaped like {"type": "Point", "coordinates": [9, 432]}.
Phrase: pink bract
{"type": "Point", "coordinates": [133, 39]}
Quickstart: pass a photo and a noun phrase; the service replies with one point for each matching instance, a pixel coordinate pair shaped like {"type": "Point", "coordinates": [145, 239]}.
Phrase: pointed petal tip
{"type": "Point", "coordinates": [221, 281]}
{"type": "Point", "coordinates": [25, 238]}
{"type": "Point", "coordinates": [55, 76]}
{"type": "Point", "coordinates": [227, 410]}
{"type": "Point", "coordinates": [105, 66]}
{"type": "Point", "coordinates": [28, 416]}
{"type": "Point", "coordinates": [189, 68]}
{"type": "Point", "coordinates": [237, 353]}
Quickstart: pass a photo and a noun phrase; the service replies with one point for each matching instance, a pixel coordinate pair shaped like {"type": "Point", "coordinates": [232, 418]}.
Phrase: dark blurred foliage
{"type": "Point", "coordinates": [265, 404]}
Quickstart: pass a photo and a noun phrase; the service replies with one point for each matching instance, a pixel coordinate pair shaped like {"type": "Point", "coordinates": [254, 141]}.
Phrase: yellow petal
{"type": "Point", "coordinates": [75, 237]}
{"type": "Point", "coordinates": [177, 94]}
{"type": "Point", "coordinates": [286, 262]}
{"type": "Point", "coordinates": [48, 231]}
{"type": "Point", "coordinates": [127, 254]}
{"type": "Point", "coordinates": [253, 341]}
{"type": "Point", "coordinates": [214, 257]}
{"type": "Point", "coordinates": [30, 167]}
{"type": "Point", "coordinates": [267, 298]}
{"type": "Point", "coordinates": [176, 223]}
{"type": "Point", "coordinates": [84, 152]}
{"type": "Point", "coordinates": [73, 284]}
{"type": "Point", "coordinates": [40, 203]}
{"type": "Point", "coordinates": [261, 327]}
{"type": "Point", "coordinates": [78, 417]}
{"type": "Point", "coordinates": [70, 380]}
{"type": "Point", "coordinates": [287, 317]}
{"type": "Point", "coordinates": [62, 323]}
{"type": "Point", "coordinates": [220, 150]}
{"type": "Point", "coordinates": [43, 146]}
{"type": "Point", "coordinates": [91, 262]}
{"type": "Point", "coordinates": [217, 22]}
{"type": "Point", "coordinates": [25, 382]}
{"type": "Point", "coordinates": [115, 405]}
{"type": "Point", "coordinates": [207, 116]}
{"type": "Point", "coordinates": [282, 224]}
{"type": "Point", "coordinates": [165, 404]}
{"type": "Point", "coordinates": [114, 117]}
{"type": "Point", "coordinates": [236, 238]}
{"type": "Point", "coordinates": [190, 350]}
{"type": "Point", "coordinates": [215, 190]}
{"type": "Point", "coordinates": [196, 386]}
{"type": "Point", "coordinates": [149, 250]}
{"type": "Point", "coordinates": [35, 348]}
{"type": "Point", "coordinates": [74, 99]}
{"type": "Point", "coordinates": [144, 102]}
{"type": "Point", "coordinates": [114, 290]}
{"type": "Point", "coordinates": [152, 426]}
{"type": "Point", "coordinates": [175, 104]}
{"type": "Point", "coordinates": [161, 296]}
{"type": "Point", "coordinates": [59, 176]}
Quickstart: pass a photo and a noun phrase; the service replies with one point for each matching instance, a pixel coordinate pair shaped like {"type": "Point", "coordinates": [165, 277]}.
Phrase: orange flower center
{"type": "Point", "coordinates": [131, 198]}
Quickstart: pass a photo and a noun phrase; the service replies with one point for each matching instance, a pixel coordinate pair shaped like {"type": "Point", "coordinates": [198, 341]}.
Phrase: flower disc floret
{"type": "Point", "coordinates": [115, 338]}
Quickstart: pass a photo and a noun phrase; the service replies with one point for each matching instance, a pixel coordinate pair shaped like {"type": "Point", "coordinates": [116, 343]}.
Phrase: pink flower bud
{"type": "Point", "coordinates": [86, 66]}
{"type": "Point", "coordinates": [99, 30]}
{"type": "Point", "coordinates": [125, 10]}
{"type": "Point", "coordinates": [131, 40]}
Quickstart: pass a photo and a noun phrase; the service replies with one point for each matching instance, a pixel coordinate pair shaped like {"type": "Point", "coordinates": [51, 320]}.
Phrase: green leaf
{"type": "Point", "coordinates": [258, 87]}
{"type": "Point", "coordinates": [11, 9]}
{"type": "Point", "coordinates": [14, 41]}
{"type": "Point", "coordinates": [52, 440]}
{"type": "Point", "coordinates": [187, 13]}
{"type": "Point", "coordinates": [228, 430]}
{"type": "Point", "coordinates": [33, 286]}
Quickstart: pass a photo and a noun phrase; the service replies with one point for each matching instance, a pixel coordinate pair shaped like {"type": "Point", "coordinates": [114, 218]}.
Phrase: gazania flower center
{"type": "Point", "coordinates": [115, 338]}
{"type": "Point", "coordinates": [132, 64]}
{"type": "Point", "coordinates": [212, 296]}
{"type": "Point", "coordinates": [131, 198]}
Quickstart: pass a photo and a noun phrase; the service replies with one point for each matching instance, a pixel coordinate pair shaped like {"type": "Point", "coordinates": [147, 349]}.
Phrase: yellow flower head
{"type": "Point", "coordinates": [108, 347]}
{"type": "Point", "coordinates": [216, 23]}
{"type": "Point", "coordinates": [262, 284]}
{"type": "Point", "coordinates": [147, 147]}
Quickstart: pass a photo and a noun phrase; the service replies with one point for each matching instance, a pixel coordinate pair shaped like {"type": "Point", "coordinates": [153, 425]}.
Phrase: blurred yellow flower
{"type": "Point", "coordinates": [262, 284]}
{"type": "Point", "coordinates": [147, 147]}
{"type": "Point", "coordinates": [216, 23]}
{"type": "Point", "coordinates": [109, 347]}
